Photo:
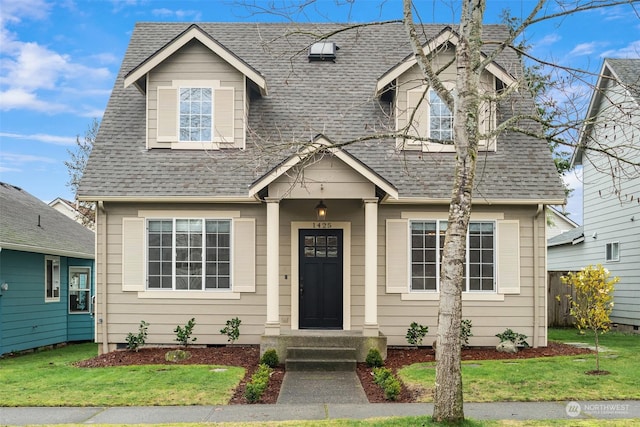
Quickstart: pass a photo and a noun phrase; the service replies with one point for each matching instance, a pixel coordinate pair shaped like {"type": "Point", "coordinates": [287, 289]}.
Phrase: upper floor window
{"type": "Point", "coordinates": [440, 119]}
{"type": "Point", "coordinates": [612, 251]}
{"type": "Point", "coordinates": [51, 278]}
{"type": "Point", "coordinates": [195, 114]}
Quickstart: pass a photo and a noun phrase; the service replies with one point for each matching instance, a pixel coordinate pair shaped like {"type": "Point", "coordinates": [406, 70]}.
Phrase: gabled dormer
{"type": "Point", "coordinates": [431, 119]}
{"type": "Point", "coordinates": [197, 93]}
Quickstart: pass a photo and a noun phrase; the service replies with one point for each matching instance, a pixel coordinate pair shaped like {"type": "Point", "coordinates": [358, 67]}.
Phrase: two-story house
{"type": "Point", "coordinates": [609, 152]}
{"type": "Point", "coordinates": [250, 171]}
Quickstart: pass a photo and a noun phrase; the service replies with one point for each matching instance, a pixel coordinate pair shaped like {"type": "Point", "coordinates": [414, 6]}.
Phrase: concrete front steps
{"type": "Point", "coordinates": [320, 359]}
{"type": "Point", "coordinates": [327, 350]}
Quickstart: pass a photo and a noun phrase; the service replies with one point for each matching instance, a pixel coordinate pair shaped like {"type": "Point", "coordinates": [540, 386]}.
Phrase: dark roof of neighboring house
{"type": "Point", "coordinates": [628, 71]}
{"type": "Point", "coordinates": [305, 99]}
{"type": "Point", "coordinates": [28, 224]}
{"type": "Point", "coordinates": [573, 236]}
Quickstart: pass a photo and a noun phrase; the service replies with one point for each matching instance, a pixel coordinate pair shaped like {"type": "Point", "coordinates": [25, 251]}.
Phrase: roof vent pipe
{"type": "Point", "coordinates": [323, 51]}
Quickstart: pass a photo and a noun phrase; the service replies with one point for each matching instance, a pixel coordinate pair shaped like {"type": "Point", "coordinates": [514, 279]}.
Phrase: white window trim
{"type": "Point", "coordinates": [610, 245]}
{"type": "Point", "coordinates": [80, 267]}
{"type": "Point", "coordinates": [213, 92]}
{"type": "Point", "coordinates": [435, 147]}
{"type": "Point", "coordinates": [411, 295]}
{"type": "Point", "coordinates": [55, 260]}
{"type": "Point", "coordinates": [173, 290]}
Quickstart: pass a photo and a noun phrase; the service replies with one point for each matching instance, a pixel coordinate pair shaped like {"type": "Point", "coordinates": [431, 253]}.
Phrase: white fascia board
{"type": "Point", "coordinates": [46, 251]}
{"type": "Point", "coordinates": [319, 144]}
{"type": "Point", "coordinates": [198, 34]}
{"type": "Point", "coordinates": [431, 46]}
{"type": "Point", "coordinates": [168, 199]}
{"type": "Point", "coordinates": [482, 201]}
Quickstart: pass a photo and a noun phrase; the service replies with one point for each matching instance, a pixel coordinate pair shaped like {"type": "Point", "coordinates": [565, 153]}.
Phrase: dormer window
{"type": "Point", "coordinates": [440, 119]}
{"type": "Point", "coordinates": [195, 114]}
{"type": "Point", "coordinates": [432, 119]}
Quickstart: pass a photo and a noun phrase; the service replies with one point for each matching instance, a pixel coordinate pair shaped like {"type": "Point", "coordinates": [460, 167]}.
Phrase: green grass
{"type": "Point", "coordinates": [546, 379]}
{"type": "Point", "coordinates": [48, 378]}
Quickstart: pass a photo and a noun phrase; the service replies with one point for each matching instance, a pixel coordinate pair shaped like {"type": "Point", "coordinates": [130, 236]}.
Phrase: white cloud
{"type": "Point", "coordinates": [584, 49]}
{"type": "Point", "coordinates": [30, 73]}
{"type": "Point", "coordinates": [179, 14]}
{"type": "Point", "coordinates": [547, 40]}
{"type": "Point", "coordinates": [41, 137]}
{"type": "Point", "coordinates": [11, 162]}
{"type": "Point", "coordinates": [632, 50]}
{"type": "Point", "coordinates": [91, 113]}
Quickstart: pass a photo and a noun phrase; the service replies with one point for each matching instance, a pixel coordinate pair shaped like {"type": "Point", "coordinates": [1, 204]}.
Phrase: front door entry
{"type": "Point", "coordinates": [320, 282]}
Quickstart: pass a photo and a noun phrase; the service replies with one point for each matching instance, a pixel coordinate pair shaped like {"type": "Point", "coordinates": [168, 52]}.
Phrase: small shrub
{"type": "Point", "coordinates": [374, 359]}
{"type": "Point", "coordinates": [380, 375]}
{"type": "Point", "coordinates": [183, 335]}
{"type": "Point", "coordinates": [416, 333]}
{"type": "Point", "coordinates": [270, 358]}
{"type": "Point", "coordinates": [465, 332]}
{"type": "Point", "coordinates": [520, 340]}
{"type": "Point", "coordinates": [258, 384]}
{"type": "Point", "coordinates": [388, 382]}
{"type": "Point", "coordinates": [232, 330]}
{"type": "Point", "coordinates": [392, 388]}
{"type": "Point", "coordinates": [135, 341]}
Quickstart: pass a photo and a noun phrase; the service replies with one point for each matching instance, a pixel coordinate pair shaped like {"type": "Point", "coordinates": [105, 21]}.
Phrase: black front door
{"type": "Point", "coordinates": [320, 284]}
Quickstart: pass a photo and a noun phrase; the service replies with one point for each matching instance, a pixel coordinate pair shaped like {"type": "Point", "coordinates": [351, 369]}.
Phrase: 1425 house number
{"type": "Point", "coordinates": [321, 225]}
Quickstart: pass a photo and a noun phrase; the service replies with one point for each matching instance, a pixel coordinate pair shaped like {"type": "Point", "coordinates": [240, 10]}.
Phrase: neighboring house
{"type": "Point", "coordinates": [223, 189]}
{"type": "Point", "coordinates": [46, 274]}
{"type": "Point", "coordinates": [80, 214]}
{"type": "Point", "coordinates": [610, 234]}
{"type": "Point", "coordinates": [558, 222]}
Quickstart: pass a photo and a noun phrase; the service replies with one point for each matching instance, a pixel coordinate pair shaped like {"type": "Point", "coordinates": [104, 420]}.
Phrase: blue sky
{"type": "Point", "coordinates": [59, 59]}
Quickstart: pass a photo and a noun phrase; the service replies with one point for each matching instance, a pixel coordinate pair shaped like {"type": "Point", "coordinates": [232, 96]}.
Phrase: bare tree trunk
{"type": "Point", "coordinates": [448, 389]}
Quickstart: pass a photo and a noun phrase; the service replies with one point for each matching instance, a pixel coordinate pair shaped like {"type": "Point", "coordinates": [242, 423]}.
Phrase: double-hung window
{"type": "Point", "coordinates": [440, 120]}
{"type": "Point", "coordinates": [189, 254]}
{"type": "Point", "coordinates": [196, 114]}
{"type": "Point", "coordinates": [427, 243]}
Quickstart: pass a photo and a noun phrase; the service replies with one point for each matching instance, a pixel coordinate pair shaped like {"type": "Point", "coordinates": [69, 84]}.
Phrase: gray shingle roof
{"type": "Point", "coordinates": [628, 71]}
{"type": "Point", "coordinates": [566, 237]}
{"type": "Point", "coordinates": [305, 99]}
{"type": "Point", "coordinates": [29, 224]}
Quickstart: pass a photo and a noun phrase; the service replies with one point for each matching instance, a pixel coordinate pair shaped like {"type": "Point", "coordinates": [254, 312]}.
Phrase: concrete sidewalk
{"type": "Point", "coordinates": [317, 411]}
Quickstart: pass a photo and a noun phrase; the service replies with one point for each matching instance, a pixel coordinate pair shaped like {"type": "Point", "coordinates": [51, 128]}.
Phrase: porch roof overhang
{"type": "Point", "coordinates": [322, 144]}
{"type": "Point", "coordinates": [137, 75]}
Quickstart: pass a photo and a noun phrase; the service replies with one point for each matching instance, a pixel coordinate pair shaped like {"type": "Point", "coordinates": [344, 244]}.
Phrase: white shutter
{"type": "Point", "coordinates": [167, 114]}
{"type": "Point", "coordinates": [244, 255]}
{"type": "Point", "coordinates": [133, 271]}
{"type": "Point", "coordinates": [397, 256]}
{"type": "Point", "coordinates": [508, 241]}
{"type": "Point", "coordinates": [420, 126]}
{"type": "Point", "coordinates": [223, 114]}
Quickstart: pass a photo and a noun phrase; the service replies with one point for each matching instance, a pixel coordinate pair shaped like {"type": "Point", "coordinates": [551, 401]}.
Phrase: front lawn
{"type": "Point", "coordinates": [545, 379]}
{"type": "Point", "coordinates": [48, 378]}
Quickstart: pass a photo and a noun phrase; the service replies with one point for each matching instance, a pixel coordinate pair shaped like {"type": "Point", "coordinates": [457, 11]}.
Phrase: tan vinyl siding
{"type": "Point", "coordinates": [125, 310]}
{"type": "Point", "coordinates": [407, 96]}
{"type": "Point", "coordinates": [489, 317]}
{"type": "Point", "coordinates": [196, 62]}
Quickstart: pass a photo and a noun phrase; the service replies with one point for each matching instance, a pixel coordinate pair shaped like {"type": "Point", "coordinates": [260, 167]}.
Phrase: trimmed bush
{"type": "Point", "coordinates": [258, 384]}
{"type": "Point", "coordinates": [374, 359]}
{"type": "Point", "coordinates": [270, 358]}
{"type": "Point", "coordinates": [388, 382]}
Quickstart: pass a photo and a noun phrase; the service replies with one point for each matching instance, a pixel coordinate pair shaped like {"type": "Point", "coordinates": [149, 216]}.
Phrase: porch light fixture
{"type": "Point", "coordinates": [321, 211]}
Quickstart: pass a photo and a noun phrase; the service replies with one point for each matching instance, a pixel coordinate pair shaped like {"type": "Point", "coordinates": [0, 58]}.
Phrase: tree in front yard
{"type": "Point", "coordinates": [593, 301]}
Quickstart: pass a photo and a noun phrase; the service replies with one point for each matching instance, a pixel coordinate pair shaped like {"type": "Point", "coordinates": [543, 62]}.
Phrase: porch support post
{"type": "Point", "coordinates": [371, 327]}
{"type": "Point", "coordinates": [272, 327]}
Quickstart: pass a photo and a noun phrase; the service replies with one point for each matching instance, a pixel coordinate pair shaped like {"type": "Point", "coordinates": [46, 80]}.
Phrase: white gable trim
{"type": "Point", "coordinates": [195, 32]}
{"type": "Point", "coordinates": [322, 143]}
{"type": "Point", "coordinates": [432, 45]}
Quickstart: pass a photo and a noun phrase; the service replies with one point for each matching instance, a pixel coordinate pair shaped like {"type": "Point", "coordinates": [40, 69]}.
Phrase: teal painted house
{"type": "Point", "coordinates": [46, 274]}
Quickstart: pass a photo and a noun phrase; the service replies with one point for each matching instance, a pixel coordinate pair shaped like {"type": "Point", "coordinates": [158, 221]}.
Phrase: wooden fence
{"type": "Point", "coordinates": [558, 311]}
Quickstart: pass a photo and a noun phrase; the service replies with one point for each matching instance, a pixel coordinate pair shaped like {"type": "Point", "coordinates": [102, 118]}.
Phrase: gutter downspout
{"type": "Point", "coordinates": [536, 281]}
{"type": "Point", "coordinates": [102, 318]}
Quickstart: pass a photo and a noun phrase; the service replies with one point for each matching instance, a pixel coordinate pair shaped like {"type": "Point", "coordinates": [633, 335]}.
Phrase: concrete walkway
{"type": "Point", "coordinates": [300, 387]}
{"type": "Point", "coordinates": [313, 411]}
